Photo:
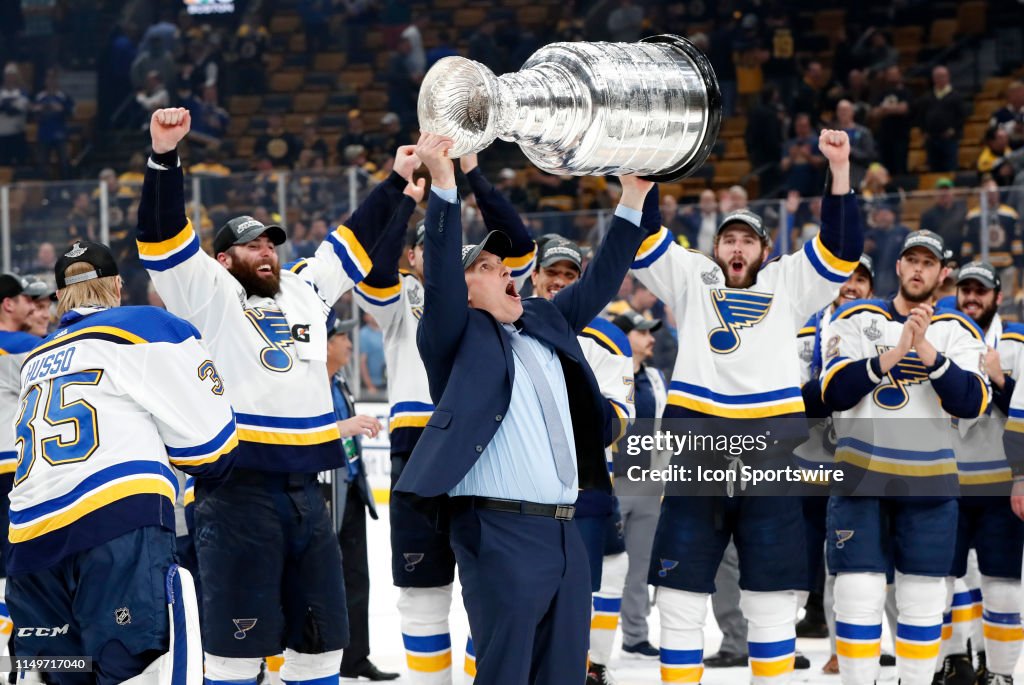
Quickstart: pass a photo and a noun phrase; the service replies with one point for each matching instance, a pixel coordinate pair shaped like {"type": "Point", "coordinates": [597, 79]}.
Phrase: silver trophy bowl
{"type": "Point", "coordinates": [651, 108]}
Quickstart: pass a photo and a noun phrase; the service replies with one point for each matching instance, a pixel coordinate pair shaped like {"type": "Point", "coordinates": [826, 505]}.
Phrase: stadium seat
{"type": "Point", "coordinates": [329, 61]}
{"type": "Point", "coordinates": [829, 21]}
{"type": "Point", "coordinates": [310, 102]}
{"type": "Point", "coordinates": [972, 17]}
{"type": "Point", "coordinates": [283, 24]}
{"type": "Point", "coordinates": [244, 104]}
{"type": "Point", "coordinates": [942, 33]}
{"type": "Point", "coordinates": [917, 161]}
{"type": "Point", "coordinates": [286, 81]}
{"type": "Point", "coordinates": [968, 156]}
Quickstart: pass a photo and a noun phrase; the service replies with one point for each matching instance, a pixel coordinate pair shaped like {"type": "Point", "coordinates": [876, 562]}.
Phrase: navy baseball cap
{"type": "Point", "coordinates": [244, 229]}
{"type": "Point", "coordinates": [982, 272]}
{"type": "Point", "coordinates": [744, 217]}
{"type": "Point", "coordinates": [494, 242]}
{"type": "Point", "coordinates": [928, 240]}
{"type": "Point", "coordinates": [96, 255]}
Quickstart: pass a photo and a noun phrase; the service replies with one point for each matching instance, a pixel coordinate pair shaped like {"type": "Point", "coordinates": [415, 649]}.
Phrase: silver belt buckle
{"type": "Point", "coordinates": [564, 512]}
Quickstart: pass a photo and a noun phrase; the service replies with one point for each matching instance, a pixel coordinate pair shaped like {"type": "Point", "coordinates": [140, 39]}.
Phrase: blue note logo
{"type": "Point", "coordinates": [666, 566]}
{"type": "Point", "coordinates": [244, 625]}
{"type": "Point", "coordinates": [736, 309]}
{"type": "Point", "coordinates": [894, 391]}
{"type": "Point", "coordinates": [272, 327]}
{"type": "Point", "coordinates": [411, 559]}
{"type": "Point", "coordinates": [842, 537]}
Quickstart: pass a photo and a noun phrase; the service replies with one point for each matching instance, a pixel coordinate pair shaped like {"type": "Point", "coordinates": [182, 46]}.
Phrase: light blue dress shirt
{"type": "Point", "coordinates": [518, 462]}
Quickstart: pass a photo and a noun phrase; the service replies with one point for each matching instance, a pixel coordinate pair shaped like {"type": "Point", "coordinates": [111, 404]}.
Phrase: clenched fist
{"type": "Point", "coordinates": [167, 127]}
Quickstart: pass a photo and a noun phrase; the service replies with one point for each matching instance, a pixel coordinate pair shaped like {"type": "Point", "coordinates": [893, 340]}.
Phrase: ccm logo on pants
{"type": "Point", "coordinates": [43, 632]}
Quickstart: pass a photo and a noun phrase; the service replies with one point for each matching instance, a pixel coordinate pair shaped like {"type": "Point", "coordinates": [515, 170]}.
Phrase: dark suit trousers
{"type": "Point", "coordinates": [355, 565]}
{"type": "Point", "coordinates": [526, 588]}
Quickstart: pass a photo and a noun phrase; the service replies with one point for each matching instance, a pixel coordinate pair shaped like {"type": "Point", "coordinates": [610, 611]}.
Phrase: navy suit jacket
{"type": "Point", "coordinates": [468, 357]}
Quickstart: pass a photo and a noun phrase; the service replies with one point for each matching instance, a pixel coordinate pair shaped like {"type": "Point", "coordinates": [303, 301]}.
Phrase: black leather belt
{"type": "Point", "coordinates": [562, 512]}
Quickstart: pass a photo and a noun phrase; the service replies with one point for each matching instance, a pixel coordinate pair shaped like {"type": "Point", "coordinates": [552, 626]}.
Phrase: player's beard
{"type": "Point", "coordinates": [984, 319]}
{"type": "Point", "coordinates": [917, 298]}
{"type": "Point", "coordinates": [254, 284]}
{"type": "Point", "coordinates": [749, 276]}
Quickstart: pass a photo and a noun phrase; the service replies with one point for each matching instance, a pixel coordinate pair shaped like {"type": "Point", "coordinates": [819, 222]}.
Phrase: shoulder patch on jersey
{"type": "Point", "coordinates": [856, 307]}
{"type": "Point", "coordinates": [960, 318]}
{"type": "Point", "coordinates": [609, 336]}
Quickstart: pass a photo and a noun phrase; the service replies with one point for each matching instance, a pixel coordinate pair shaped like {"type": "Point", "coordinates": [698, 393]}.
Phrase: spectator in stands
{"type": "Point", "coordinates": [46, 258]}
{"type": "Point", "coordinates": [509, 186]}
{"type": "Point", "coordinates": [877, 189]}
{"type": "Point", "coordinates": [778, 40]}
{"type": "Point", "coordinates": [862, 143]}
{"type": "Point", "coordinates": [201, 67]}
{"type": "Point", "coordinates": [442, 49]}
{"type": "Point", "coordinates": [1010, 117]}
{"type": "Point", "coordinates": [1005, 249]}
{"type": "Point", "coordinates": [248, 52]}
{"type": "Point", "coordinates": [390, 137]}
{"type": "Point", "coordinates": [209, 120]}
{"type": "Point", "coordinates": [165, 31]}
{"type": "Point", "coordinates": [402, 86]}
{"type": "Point", "coordinates": [702, 221]}
{"type": "Point", "coordinates": [417, 57]}
{"type": "Point", "coordinates": [802, 161]}
{"type": "Point", "coordinates": [315, 15]}
{"type": "Point", "coordinates": [882, 242]}
{"type": "Point", "coordinates": [764, 140]}
{"type": "Point", "coordinates": [672, 218]}
{"type": "Point", "coordinates": [113, 72]}
{"type": "Point", "coordinates": [875, 52]}
{"type": "Point", "coordinates": [52, 109]}
{"type": "Point", "coordinates": [856, 90]}
{"type": "Point", "coordinates": [626, 22]}
{"type": "Point", "coordinates": [484, 48]}
{"type": "Point", "coordinates": [355, 134]}
{"type": "Point", "coordinates": [995, 156]}
{"type": "Point", "coordinates": [153, 57]}
{"type": "Point", "coordinates": [277, 144]}
{"type": "Point", "coordinates": [720, 54]}
{"type": "Point", "coordinates": [152, 96]}
{"type": "Point", "coordinates": [946, 217]}
{"type": "Point", "coordinates": [811, 93]}
{"type": "Point", "coordinates": [311, 139]}
{"type": "Point", "coordinates": [892, 117]}
{"type": "Point", "coordinates": [371, 356]}
{"type": "Point", "coordinates": [81, 220]}
{"type": "Point", "coordinates": [941, 113]}
{"type": "Point", "coordinates": [14, 106]}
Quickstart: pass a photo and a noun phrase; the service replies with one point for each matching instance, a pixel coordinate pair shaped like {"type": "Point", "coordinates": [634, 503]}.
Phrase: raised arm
{"type": "Point", "coordinates": [584, 299]}
{"type": "Point", "coordinates": [499, 215]}
{"type": "Point", "coordinates": [446, 297]}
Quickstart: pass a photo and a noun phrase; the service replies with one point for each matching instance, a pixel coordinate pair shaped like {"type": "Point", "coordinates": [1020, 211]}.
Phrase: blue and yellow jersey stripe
{"type": "Point", "coordinates": [862, 307]}
{"type": "Point", "coordinates": [207, 453]}
{"type": "Point", "coordinates": [772, 659]}
{"type": "Point", "coordinates": [523, 264]}
{"type": "Point", "coordinates": [653, 247]}
{"type": "Point", "coordinates": [100, 489]}
{"type": "Point", "coordinates": [961, 319]}
{"type": "Point", "coordinates": [985, 472]}
{"type": "Point", "coordinates": [681, 665]}
{"type": "Point", "coordinates": [190, 492]}
{"type": "Point", "coordinates": [8, 461]}
{"type": "Point", "coordinates": [858, 641]}
{"type": "Point", "coordinates": [749, 406]}
{"type": "Point", "coordinates": [409, 415]}
{"type": "Point", "coordinates": [918, 642]}
{"type": "Point", "coordinates": [896, 462]}
{"type": "Point", "coordinates": [379, 296]}
{"type": "Point", "coordinates": [283, 430]}
{"type": "Point", "coordinates": [428, 653]}
{"type": "Point", "coordinates": [350, 253]}
{"type": "Point", "coordinates": [609, 336]}
{"type": "Point", "coordinates": [828, 265]}
{"type": "Point", "coordinates": [169, 253]}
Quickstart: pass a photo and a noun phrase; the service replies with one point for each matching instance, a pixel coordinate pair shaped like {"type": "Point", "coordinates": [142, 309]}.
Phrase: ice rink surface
{"type": "Point", "coordinates": [386, 639]}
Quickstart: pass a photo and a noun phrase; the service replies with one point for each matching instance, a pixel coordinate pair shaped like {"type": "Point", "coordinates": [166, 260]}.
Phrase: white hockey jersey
{"type": "Point", "coordinates": [271, 351]}
{"type": "Point", "coordinates": [978, 443]}
{"type": "Point", "coordinates": [916, 448]}
{"type": "Point", "coordinates": [14, 346]}
{"type": "Point", "coordinates": [738, 356]}
{"type": "Point", "coordinates": [108, 403]}
{"type": "Point", "coordinates": [608, 352]}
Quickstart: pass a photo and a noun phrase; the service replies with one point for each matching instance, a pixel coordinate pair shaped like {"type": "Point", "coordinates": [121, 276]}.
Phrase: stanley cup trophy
{"type": "Point", "coordinates": [588, 109]}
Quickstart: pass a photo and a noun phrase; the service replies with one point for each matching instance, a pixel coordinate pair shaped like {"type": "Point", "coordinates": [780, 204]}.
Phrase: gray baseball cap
{"type": "Point", "coordinates": [928, 240]}
{"type": "Point", "coordinates": [746, 218]}
{"type": "Point", "coordinates": [982, 272]}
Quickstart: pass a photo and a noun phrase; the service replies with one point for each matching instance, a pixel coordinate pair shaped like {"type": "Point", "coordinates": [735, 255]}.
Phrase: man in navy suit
{"type": "Point", "coordinates": [519, 427]}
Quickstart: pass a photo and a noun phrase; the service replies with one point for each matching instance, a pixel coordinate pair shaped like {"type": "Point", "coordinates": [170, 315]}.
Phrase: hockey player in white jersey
{"type": "Point", "coordinates": [422, 563]}
{"type": "Point", "coordinates": [731, 313]}
{"type": "Point", "coordinates": [17, 310]}
{"type": "Point", "coordinates": [107, 405]}
{"type": "Point", "coordinates": [884, 360]}
{"type": "Point", "coordinates": [986, 521]}
{"type": "Point", "coordinates": [269, 560]}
